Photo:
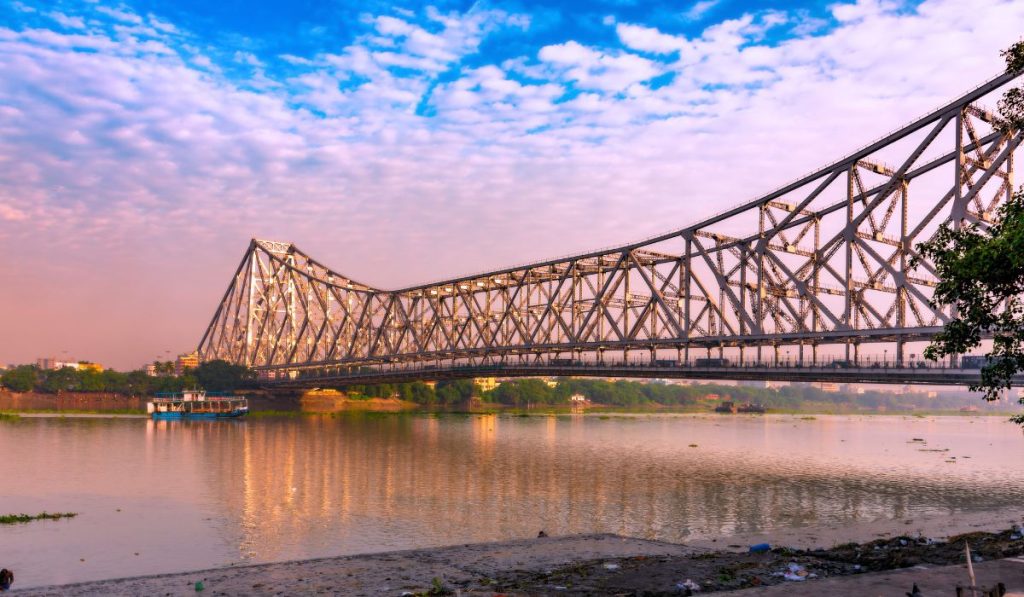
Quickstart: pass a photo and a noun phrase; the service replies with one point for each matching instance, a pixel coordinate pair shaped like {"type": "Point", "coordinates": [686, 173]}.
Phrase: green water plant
{"type": "Point", "coordinates": [23, 518]}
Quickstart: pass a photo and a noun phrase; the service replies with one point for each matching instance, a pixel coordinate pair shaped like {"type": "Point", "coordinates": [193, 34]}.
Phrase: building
{"type": "Point", "coordinates": [189, 360]}
{"type": "Point", "coordinates": [486, 384]}
{"type": "Point", "coordinates": [830, 387]}
{"type": "Point", "coordinates": [151, 369]}
{"type": "Point", "coordinates": [578, 399]}
{"type": "Point", "coordinates": [52, 364]}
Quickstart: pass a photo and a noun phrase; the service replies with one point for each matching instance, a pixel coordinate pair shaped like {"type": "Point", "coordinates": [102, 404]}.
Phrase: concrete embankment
{"type": "Point", "coordinates": [72, 401]}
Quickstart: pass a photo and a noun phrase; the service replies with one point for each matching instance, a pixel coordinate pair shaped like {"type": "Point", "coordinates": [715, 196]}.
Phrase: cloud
{"type": "Point", "coordinates": [700, 9]}
{"type": "Point", "coordinates": [65, 21]}
{"type": "Point", "coordinates": [410, 153]}
{"type": "Point", "coordinates": [12, 214]}
{"type": "Point", "coordinates": [123, 15]}
{"type": "Point", "coordinates": [593, 69]}
{"type": "Point", "coordinates": [648, 39]}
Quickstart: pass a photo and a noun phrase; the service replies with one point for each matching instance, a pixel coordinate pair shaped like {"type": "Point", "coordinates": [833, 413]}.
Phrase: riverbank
{"type": "Point", "coordinates": [601, 564]}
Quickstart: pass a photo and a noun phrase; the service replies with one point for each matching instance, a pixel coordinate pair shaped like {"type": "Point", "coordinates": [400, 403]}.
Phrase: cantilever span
{"type": "Point", "coordinates": [822, 264]}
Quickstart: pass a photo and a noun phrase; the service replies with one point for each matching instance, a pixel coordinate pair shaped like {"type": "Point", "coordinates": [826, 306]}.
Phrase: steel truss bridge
{"type": "Point", "coordinates": [821, 266]}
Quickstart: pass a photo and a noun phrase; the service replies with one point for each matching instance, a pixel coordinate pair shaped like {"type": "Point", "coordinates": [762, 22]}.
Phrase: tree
{"type": "Point", "coordinates": [61, 380]}
{"type": "Point", "coordinates": [456, 391]}
{"type": "Point", "coordinates": [523, 392]}
{"type": "Point", "coordinates": [219, 376]}
{"type": "Point", "coordinates": [20, 379]}
{"type": "Point", "coordinates": [981, 272]}
{"type": "Point", "coordinates": [1011, 107]}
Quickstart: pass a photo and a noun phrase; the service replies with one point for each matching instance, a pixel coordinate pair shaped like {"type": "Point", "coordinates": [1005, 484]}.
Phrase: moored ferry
{"type": "Point", "coordinates": [197, 404]}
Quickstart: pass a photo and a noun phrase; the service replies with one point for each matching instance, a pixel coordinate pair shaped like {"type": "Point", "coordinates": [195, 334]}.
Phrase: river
{"type": "Point", "coordinates": [177, 495]}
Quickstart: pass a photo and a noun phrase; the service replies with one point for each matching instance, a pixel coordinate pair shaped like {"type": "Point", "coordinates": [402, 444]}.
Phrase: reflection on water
{"type": "Point", "coordinates": [198, 494]}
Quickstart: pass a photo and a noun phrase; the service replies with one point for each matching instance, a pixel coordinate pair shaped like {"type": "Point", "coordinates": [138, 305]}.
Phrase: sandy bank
{"type": "Point", "coordinates": [597, 565]}
{"type": "Point", "coordinates": [472, 568]}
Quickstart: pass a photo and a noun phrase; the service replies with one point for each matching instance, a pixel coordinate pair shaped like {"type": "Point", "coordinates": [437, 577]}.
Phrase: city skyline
{"type": "Point", "coordinates": [145, 143]}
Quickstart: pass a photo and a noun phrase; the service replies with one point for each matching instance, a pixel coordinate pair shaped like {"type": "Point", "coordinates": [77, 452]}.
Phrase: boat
{"type": "Point", "coordinates": [196, 404]}
{"type": "Point", "coordinates": [728, 407]}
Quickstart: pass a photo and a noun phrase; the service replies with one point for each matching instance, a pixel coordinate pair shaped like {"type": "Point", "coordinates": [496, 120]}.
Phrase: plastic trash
{"type": "Point", "coordinates": [760, 548]}
{"type": "Point", "coordinates": [199, 586]}
{"type": "Point", "coordinates": [611, 566]}
{"type": "Point", "coordinates": [795, 572]}
{"type": "Point", "coordinates": [688, 585]}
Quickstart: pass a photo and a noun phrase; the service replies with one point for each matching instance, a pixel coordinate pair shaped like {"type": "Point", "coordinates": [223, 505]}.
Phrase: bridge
{"type": "Point", "coordinates": [815, 281]}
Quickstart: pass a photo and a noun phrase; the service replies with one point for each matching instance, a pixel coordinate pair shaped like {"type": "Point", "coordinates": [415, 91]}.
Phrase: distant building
{"type": "Point", "coordinates": [52, 364]}
{"type": "Point", "coordinates": [578, 399]}
{"type": "Point", "coordinates": [551, 382]}
{"type": "Point", "coordinates": [151, 369]}
{"type": "Point", "coordinates": [185, 361]}
{"type": "Point", "coordinates": [486, 384]}
{"type": "Point", "coordinates": [829, 387]}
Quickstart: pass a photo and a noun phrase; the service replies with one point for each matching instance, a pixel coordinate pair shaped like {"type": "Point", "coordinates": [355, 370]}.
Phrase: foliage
{"type": "Point", "coordinates": [212, 376]}
{"type": "Point", "coordinates": [219, 375]}
{"type": "Point", "coordinates": [981, 273]}
{"type": "Point", "coordinates": [20, 379]}
{"type": "Point", "coordinates": [20, 518]}
{"type": "Point", "coordinates": [458, 391]}
{"type": "Point", "coordinates": [1011, 106]}
{"type": "Point", "coordinates": [523, 392]}
{"type": "Point", "coordinates": [417, 392]}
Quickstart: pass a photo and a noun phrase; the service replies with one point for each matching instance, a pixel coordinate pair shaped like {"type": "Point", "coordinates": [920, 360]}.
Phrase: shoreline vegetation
{"type": "Point", "coordinates": [24, 518]}
{"type": "Point", "coordinates": [805, 414]}
{"type": "Point", "coordinates": [29, 389]}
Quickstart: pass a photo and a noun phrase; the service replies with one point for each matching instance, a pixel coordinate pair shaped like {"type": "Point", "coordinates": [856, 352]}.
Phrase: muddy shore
{"type": "Point", "coordinates": [576, 565]}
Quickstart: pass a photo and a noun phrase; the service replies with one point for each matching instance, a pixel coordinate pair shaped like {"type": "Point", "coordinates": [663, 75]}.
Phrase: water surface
{"type": "Point", "coordinates": [176, 495]}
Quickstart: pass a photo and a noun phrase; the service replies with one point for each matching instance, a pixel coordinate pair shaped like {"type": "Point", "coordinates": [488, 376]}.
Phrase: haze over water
{"type": "Point", "coordinates": [193, 495]}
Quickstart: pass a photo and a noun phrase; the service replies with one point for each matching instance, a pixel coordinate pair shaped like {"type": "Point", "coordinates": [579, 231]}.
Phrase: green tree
{"type": "Point", "coordinates": [417, 392]}
{"type": "Point", "coordinates": [219, 376]}
{"type": "Point", "coordinates": [91, 381]}
{"type": "Point", "coordinates": [1011, 106]}
{"type": "Point", "coordinates": [20, 379]}
{"type": "Point", "coordinates": [456, 391]}
{"type": "Point", "coordinates": [523, 392]}
{"type": "Point", "coordinates": [65, 379]}
{"type": "Point", "coordinates": [981, 273]}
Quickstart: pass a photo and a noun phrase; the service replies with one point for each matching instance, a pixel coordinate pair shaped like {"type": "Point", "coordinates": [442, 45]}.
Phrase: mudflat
{"type": "Point", "coordinates": [596, 565]}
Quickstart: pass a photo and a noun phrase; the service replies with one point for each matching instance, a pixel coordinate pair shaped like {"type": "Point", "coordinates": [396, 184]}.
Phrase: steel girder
{"type": "Point", "coordinates": [823, 260]}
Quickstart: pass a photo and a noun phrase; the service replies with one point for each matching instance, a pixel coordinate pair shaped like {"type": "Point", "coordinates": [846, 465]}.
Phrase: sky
{"type": "Point", "coordinates": [142, 144]}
